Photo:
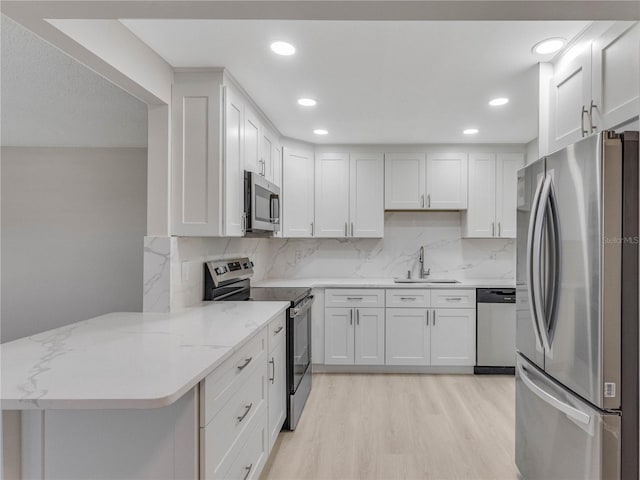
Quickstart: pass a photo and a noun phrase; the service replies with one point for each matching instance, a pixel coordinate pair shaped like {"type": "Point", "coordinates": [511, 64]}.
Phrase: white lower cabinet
{"type": "Point", "coordinates": [354, 336]}
{"type": "Point", "coordinates": [408, 336]}
{"type": "Point", "coordinates": [453, 336]}
{"type": "Point", "coordinates": [243, 407]}
{"type": "Point", "coordinates": [443, 335]}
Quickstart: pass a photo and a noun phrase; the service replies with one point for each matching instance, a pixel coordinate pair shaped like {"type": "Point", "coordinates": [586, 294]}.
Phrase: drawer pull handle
{"type": "Point", "coordinates": [247, 361]}
{"type": "Point", "coordinates": [248, 469]}
{"type": "Point", "coordinates": [451, 299]}
{"type": "Point", "coordinates": [278, 330]}
{"type": "Point", "coordinates": [354, 298]}
{"type": "Point", "coordinates": [407, 298]}
{"type": "Point", "coordinates": [273, 364]}
{"type": "Point", "coordinates": [246, 412]}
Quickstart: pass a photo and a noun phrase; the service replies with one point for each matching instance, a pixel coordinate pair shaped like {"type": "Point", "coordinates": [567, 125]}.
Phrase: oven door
{"type": "Point", "coordinates": [299, 343]}
{"type": "Point", "coordinates": [265, 204]}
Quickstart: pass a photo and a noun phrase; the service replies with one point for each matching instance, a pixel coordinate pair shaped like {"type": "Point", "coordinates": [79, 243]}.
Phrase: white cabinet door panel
{"type": "Point", "coordinates": [233, 167]}
{"type": "Point", "coordinates": [453, 337]}
{"type": "Point", "coordinates": [369, 336]}
{"type": "Point", "coordinates": [616, 75]}
{"type": "Point", "coordinates": [297, 193]}
{"type": "Point", "coordinates": [570, 93]}
{"type": "Point", "coordinates": [267, 141]}
{"type": "Point", "coordinates": [332, 195]}
{"type": "Point", "coordinates": [446, 181]}
{"type": "Point", "coordinates": [407, 336]}
{"type": "Point", "coordinates": [480, 215]}
{"type": "Point", "coordinates": [404, 181]}
{"type": "Point", "coordinates": [507, 167]}
{"type": "Point", "coordinates": [338, 336]}
{"type": "Point", "coordinates": [367, 195]}
{"type": "Point", "coordinates": [251, 141]}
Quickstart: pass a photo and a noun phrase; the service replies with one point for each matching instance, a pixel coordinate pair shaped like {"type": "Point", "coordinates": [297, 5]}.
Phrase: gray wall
{"type": "Point", "coordinates": [73, 224]}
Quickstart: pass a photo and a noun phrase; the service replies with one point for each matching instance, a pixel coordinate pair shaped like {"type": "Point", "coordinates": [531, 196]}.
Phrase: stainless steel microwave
{"type": "Point", "coordinates": [261, 205]}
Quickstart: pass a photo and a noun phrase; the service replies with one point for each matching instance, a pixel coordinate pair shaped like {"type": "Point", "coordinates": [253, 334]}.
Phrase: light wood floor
{"type": "Point", "coordinates": [401, 426]}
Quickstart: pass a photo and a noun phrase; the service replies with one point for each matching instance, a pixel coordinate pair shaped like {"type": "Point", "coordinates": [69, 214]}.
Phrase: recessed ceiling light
{"type": "Point", "coordinates": [497, 102]}
{"type": "Point", "coordinates": [283, 48]}
{"type": "Point", "coordinates": [320, 131]}
{"type": "Point", "coordinates": [470, 131]}
{"type": "Point", "coordinates": [306, 102]}
{"type": "Point", "coordinates": [550, 45]}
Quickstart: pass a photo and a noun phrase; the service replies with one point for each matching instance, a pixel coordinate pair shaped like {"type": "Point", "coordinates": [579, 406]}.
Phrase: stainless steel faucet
{"type": "Point", "coordinates": [423, 274]}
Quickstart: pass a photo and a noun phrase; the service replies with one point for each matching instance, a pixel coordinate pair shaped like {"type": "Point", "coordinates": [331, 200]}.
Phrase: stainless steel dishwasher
{"type": "Point", "coordinates": [495, 331]}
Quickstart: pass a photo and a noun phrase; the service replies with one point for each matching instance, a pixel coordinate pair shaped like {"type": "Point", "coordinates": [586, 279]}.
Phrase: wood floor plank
{"type": "Point", "coordinates": [379, 426]}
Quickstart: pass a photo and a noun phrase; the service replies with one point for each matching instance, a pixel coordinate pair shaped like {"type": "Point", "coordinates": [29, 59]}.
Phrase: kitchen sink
{"type": "Point", "coordinates": [425, 280]}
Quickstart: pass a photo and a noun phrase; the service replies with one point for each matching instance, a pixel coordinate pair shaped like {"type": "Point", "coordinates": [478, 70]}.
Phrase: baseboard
{"type": "Point", "coordinates": [321, 368]}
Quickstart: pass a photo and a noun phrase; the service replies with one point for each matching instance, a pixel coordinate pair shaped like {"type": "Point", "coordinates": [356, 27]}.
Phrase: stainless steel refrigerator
{"type": "Point", "coordinates": [577, 312]}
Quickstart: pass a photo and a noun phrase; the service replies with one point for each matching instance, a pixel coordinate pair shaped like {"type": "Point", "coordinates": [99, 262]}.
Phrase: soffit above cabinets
{"type": "Point", "coordinates": [375, 82]}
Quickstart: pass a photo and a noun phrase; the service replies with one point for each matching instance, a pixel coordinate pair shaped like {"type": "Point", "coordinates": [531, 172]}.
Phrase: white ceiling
{"type": "Point", "coordinates": [49, 99]}
{"type": "Point", "coordinates": [375, 82]}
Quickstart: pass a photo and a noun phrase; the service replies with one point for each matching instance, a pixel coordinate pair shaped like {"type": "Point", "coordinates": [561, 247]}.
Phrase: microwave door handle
{"type": "Point", "coordinates": [275, 207]}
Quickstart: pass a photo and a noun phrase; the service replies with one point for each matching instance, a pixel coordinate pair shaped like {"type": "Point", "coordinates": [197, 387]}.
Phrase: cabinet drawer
{"type": "Point", "coordinates": [224, 436]}
{"type": "Point", "coordinates": [352, 297]}
{"type": "Point", "coordinates": [277, 332]}
{"type": "Point", "coordinates": [408, 298]}
{"type": "Point", "coordinates": [221, 384]}
{"type": "Point", "coordinates": [253, 455]}
{"type": "Point", "coordinates": [453, 298]}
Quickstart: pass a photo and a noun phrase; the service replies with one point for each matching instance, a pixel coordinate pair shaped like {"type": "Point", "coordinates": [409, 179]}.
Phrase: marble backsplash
{"type": "Point", "coordinates": [446, 253]}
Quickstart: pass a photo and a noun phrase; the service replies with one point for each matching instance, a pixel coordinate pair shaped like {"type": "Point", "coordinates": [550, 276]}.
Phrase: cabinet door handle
{"type": "Point", "coordinates": [273, 365]}
{"type": "Point", "coordinates": [493, 229]}
{"type": "Point", "coordinates": [429, 201]}
{"type": "Point", "coordinates": [354, 298]}
{"type": "Point", "coordinates": [405, 299]}
{"type": "Point", "coordinates": [248, 469]}
{"type": "Point", "coordinates": [591, 125]}
{"type": "Point", "coordinates": [352, 229]}
{"type": "Point", "coordinates": [312, 229]}
{"type": "Point", "coordinates": [421, 201]}
{"type": "Point", "coordinates": [247, 361]}
{"type": "Point", "coordinates": [357, 316]}
{"type": "Point", "coordinates": [278, 330]}
{"type": "Point", "coordinates": [582, 130]}
{"type": "Point", "coordinates": [247, 409]}
{"type": "Point", "coordinates": [499, 229]}
{"type": "Point", "coordinates": [346, 231]}
{"type": "Point", "coordinates": [351, 317]}
{"type": "Point", "coordinates": [452, 299]}
{"type": "Point", "coordinates": [433, 312]}
{"type": "Point", "coordinates": [427, 318]}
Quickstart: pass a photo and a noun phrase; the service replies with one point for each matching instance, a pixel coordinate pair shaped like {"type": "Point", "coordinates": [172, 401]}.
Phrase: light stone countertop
{"type": "Point", "coordinates": [127, 360]}
{"type": "Point", "coordinates": [381, 283]}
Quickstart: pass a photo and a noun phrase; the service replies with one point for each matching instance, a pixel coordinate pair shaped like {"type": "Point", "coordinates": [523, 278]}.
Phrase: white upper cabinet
{"type": "Point", "coordinates": [446, 181]}
{"type": "Point", "coordinates": [404, 177]}
{"type": "Point", "coordinates": [207, 183]}
{"type": "Point", "coordinates": [595, 85]}
{"type": "Point", "coordinates": [276, 158]}
{"type": "Point", "coordinates": [507, 166]}
{"type": "Point", "coordinates": [267, 143]}
{"type": "Point", "coordinates": [349, 195]}
{"type": "Point", "coordinates": [297, 193]}
{"type": "Point", "coordinates": [252, 141]}
{"type": "Point", "coordinates": [437, 181]}
{"type": "Point", "coordinates": [332, 195]}
{"type": "Point", "coordinates": [492, 195]}
{"type": "Point", "coordinates": [233, 165]}
{"type": "Point", "coordinates": [616, 75]}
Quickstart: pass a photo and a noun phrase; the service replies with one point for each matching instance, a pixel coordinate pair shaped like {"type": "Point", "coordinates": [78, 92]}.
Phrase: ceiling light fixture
{"type": "Point", "coordinates": [283, 48]}
{"type": "Point", "coordinates": [498, 102]}
{"type": "Point", "coordinates": [307, 102]}
{"type": "Point", "coordinates": [470, 131]}
{"type": "Point", "coordinates": [550, 45]}
{"type": "Point", "coordinates": [320, 131]}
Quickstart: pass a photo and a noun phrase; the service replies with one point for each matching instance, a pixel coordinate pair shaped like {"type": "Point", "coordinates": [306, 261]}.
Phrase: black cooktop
{"type": "Point", "coordinates": [275, 294]}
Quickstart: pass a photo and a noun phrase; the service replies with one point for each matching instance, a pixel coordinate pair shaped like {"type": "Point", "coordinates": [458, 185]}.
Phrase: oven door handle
{"type": "Point", "coordinates": [302, 307]}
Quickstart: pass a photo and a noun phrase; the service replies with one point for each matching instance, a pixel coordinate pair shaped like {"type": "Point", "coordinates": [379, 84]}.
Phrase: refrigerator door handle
{"type": "Point", "coordinates": [565, 408]}
{"type": "Point", "coordinates": [553, 293]}
{"type": "Point", "coordinates": [536, 282]}
{"type": "Point", "coordinates": [530, 259]}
